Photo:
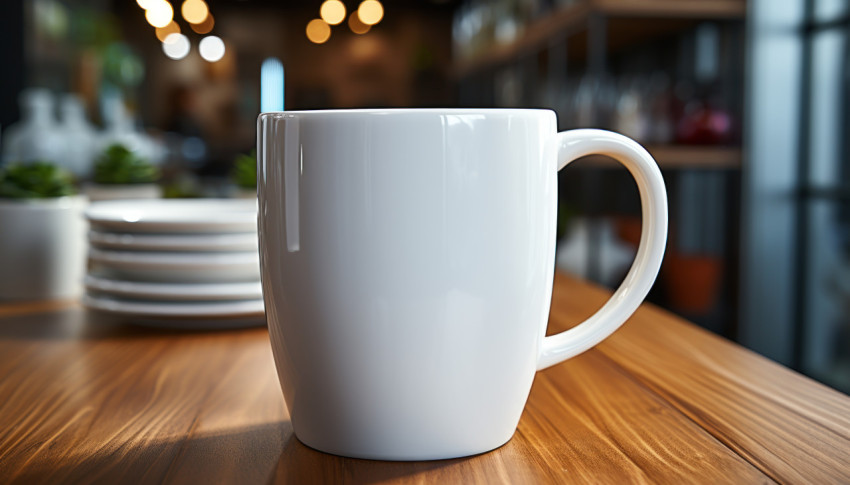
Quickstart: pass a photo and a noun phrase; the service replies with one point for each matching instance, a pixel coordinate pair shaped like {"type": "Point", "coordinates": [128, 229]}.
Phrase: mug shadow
{"type": "Point", "coordinates": [299, 463]}
{"type": "Point", "coordinates": [243, 455]}
{"type": "Point", "coordinates": [261, 453]}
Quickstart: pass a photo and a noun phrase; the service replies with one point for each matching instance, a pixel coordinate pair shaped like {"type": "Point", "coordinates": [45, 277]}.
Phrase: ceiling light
{"type": "Point", "coordinates": [356, 25]}
{"type": "Point", "coordinates": [176, 46]}
{"type": "Point", "coordinates": [318, 31]}
{"type": "Point", "coordinates": [204, 27]}
{"type": "Point", "coordinates": [163, 32]}
{"type": "Point", "coordinates": [194, 11]}
{"type": "Point", "coordinates": [159, 14]}
{"type": "Point", "coordinates": [332, 12]}
{"type": "Point", "coordinates": [211, 48]}
{"type": "Point", "coordinates": [370, 12]}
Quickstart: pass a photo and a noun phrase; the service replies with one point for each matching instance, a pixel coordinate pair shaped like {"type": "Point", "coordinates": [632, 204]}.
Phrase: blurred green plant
{"type": "Point", "coordinates": [184, 187]}
{"type": "Point", "coordinates": [39, 180]}
{"type": "Point", "coordinates": [93, 29]}
{"type": "Point", "coordinates": [245, 170]}
{"type": "Point", "coordinates": [122, 67]}
{"type": "Point", "coordinates": [565, 214]}
{"type": "Point", "coordinates": [119, 165]}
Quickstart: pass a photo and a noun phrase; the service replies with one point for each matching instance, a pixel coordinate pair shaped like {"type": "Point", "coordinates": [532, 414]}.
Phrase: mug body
{"type": "Point", "coordinates": [407, 262]}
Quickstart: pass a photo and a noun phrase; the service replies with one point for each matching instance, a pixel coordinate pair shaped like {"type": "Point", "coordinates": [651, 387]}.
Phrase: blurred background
{"type": "Point", "coordinates": [744, 104]}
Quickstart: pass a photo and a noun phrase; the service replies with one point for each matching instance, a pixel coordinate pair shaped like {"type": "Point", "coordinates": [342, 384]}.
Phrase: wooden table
{"type": "Point", "coordinates": [661, 401]}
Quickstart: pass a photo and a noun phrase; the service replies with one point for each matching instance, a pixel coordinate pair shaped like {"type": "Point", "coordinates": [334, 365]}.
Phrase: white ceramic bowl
{"type": "Point", "coordinates": [174, 242]}
{"type": "Point", "coordinates": [142, 290]}
{"type": "Point", "coordinates": [177, 267]}
{"type": "Point", "coordinates": [174, 215]}
{"type": "Point", "coordinates": [195, 315]}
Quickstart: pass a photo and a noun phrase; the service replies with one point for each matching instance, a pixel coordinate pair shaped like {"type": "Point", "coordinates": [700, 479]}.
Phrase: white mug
{"type": "Point", "coordinates": [407, 260]}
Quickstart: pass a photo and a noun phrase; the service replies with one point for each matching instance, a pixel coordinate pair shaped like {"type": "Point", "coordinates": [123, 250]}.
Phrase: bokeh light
{"type": "Point", "coordinates": [370, 12]}
{"type": "Point", "coordinates": [271, 85]}
{"type": "Point", "coordinates": [356, 25]}
{"type": "Point", "coordinates": [211, 48]}
{"type": "Point", "coordinates": [159, 14]}
{"type": "Point", "coordinates": [194, 11]}
{"type": "Point", "coordinates": [332, 12]}
{"type": "Point", "coordinates": [204, 27]}
{"type": "Point", "coordinates": [176, 46]}
{"type": "Point", "coordinates": [318, 31]}
{"type": "Point", "coordinates": [163, 32]}
{"type": "Point", "coordinates": [146, 4]}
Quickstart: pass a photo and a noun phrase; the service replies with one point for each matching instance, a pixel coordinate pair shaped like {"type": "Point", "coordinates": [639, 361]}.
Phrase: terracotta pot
{"type": "Point", "coordinates": [692, 282]}
{"type": "Point", "coordinates": [629, 229]}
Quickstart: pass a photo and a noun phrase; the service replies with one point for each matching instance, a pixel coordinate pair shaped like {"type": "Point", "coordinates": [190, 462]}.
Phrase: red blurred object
{"type": "Point", "coordinates": [629, 229]}
{"type": "Point", "coordinates": [703, 124]}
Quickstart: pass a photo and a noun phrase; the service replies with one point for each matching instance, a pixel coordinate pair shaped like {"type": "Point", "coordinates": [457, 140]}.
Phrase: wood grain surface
{"type": "Point", "coordinates": [661, 401]}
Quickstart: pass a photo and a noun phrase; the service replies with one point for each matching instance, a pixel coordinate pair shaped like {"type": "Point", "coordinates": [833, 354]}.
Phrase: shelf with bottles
{"type": "Point", "coordinates": [680, 94]}
{"type": "Point", "coordinates": [672, 157]}
{"type": "Point", "coordinates": [71, 141]}
{"type": "Point", "coordinates": [684, 124]}
{"type": "Point", "coordinates": [490, 34]}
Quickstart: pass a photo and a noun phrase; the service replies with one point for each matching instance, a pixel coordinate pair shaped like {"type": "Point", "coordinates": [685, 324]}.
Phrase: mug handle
{"type": "Point", "coordinates": [574, 144]}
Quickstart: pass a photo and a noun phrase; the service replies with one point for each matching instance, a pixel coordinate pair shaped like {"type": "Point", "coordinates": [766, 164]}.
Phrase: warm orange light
{"type": "Point", "coordinates": [356, 25]}
{"type": "Point", "coordinates": [318, 31]}
{"type": "Point", "coordinates": [159, 14]}
{"type": "Point", "coordinates": [146, 4]}
{"type": "Point", "coordinates": [370, 12]}
{"type": "Point", "coordinates": [204, 27]}
{"type": "Point", "coordinates": [194, 11]}
{"type": "Point", "coordinates": [332, 12]}
{"type": "Point", "coordinates": [163, 32]}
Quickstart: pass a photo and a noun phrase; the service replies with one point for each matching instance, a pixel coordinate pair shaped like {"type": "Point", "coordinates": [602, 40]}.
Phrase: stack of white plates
{"type": "Point", "coordinates": [176, 263]}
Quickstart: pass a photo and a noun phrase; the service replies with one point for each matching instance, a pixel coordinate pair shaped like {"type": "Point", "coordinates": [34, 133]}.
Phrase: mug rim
{"type": "Point", "coordinates": [398, 111]}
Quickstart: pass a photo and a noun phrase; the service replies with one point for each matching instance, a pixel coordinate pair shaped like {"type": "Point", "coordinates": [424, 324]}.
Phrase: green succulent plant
{"type": "Point", "coordinates": [118, 165]}
{"type": "Point", "coordinates": [245, 170]}
{"type": "Point", "coordinates": [39, 180]}
{"type": "Point", "coordinates": [183, 187]}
